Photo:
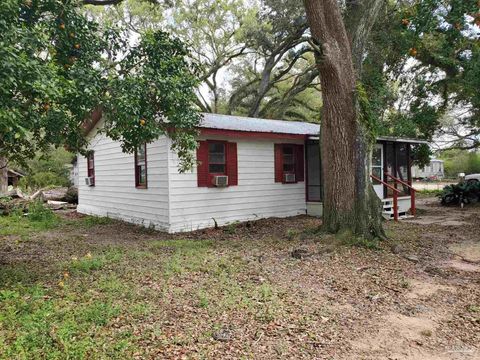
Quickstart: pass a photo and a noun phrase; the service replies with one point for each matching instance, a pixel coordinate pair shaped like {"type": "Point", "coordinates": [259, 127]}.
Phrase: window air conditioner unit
{"type": "Point", "coordinates": [289, 178]}
{"type": "Point", "coordinates": [89, 181]}
{"type": "Point", "coordinates": [220, 181]}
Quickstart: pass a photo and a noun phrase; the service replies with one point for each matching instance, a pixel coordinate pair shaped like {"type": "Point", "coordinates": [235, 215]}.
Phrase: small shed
{"type": "Point", "coordinates": [14, 177]}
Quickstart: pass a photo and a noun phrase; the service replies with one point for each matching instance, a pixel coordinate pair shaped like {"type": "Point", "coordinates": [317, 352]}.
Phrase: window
{"type": "Point", "coordinates": [91, 167]}
{"type": "Point", "coordinates": [289, 160]}
{"type": "Point", "coordinates": [377, 163]}
{"type": "Point", "coordinates": [216, 158]}
{"type": "Point", "coordinates": [141, 167]}
{"type": "Point", "coordinates": [217, 161]}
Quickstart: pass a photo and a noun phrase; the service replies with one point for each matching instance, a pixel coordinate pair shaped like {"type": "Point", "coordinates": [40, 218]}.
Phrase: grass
{"type": "Point", "coordinates": [88, 301]}
{"type": "Point", "coordinates": [49, 323]}
{"type": "Point", "coordinates": [91, 262]}
{"type": "Point", "coordinates": [429, 193]}
{"type": "Point", "coordinates": [347, 238]}
{"type": "Point", "coordinates": [80, 289]}
{"type": "Point", "coordinates": [92, 221]}
{"type": "Point", "coordinates": [20, 225]}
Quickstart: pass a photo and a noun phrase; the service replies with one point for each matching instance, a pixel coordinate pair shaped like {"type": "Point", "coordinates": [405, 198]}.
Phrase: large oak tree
{"type": "Point", "coordinates": [350, 203]}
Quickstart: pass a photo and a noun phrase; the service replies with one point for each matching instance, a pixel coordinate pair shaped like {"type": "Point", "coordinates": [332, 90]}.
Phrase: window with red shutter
{"type": "Point", "coordinates": [289, 159]}
{"type": "Point", "coordinates": [91, 167]}
{"type": "Point", "coordinates": [289, 155]}
{"type": "Point", "coordinates": [232, 164]}
{"type": "Point", "coordinates": [141, 167]}
{"type": "Point", "coordinates": [216, 158]}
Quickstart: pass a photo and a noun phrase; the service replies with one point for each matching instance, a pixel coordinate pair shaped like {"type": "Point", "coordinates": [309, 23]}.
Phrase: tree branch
{"type": "Point", "coordinates": [101, 2]}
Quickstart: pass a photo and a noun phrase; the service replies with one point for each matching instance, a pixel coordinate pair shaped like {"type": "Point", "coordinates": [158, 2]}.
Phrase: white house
{"type": "Point", "coordinates": [435, 169]}
{"type": "Point", "coordinates": [248, 169]}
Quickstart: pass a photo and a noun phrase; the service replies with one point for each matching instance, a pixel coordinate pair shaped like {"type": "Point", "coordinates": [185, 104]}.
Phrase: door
{"type": "Point", "coordinates": [377, 169]}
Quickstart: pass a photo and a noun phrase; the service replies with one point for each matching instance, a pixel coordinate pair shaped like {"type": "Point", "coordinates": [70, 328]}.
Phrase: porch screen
{"type": "Point", "coordinates": [314, 186]}
{"type": "Point", "coordinates": [397, 162]}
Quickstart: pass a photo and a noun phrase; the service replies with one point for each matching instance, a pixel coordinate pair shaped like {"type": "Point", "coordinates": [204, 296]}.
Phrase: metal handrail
{"type": "Point", "coordinates": [395, 195]}
{"type": "Point", "coordinates": [413, 209]}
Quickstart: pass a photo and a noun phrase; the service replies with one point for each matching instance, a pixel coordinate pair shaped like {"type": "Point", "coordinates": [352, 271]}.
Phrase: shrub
{"type": "Point", "coordinates": [9, 206]}
{"type": "Point", "coordinates": [38, 212]}
{"type": "Point", "coordinates": [292, 234]}
{"type": "Point", "coordinates": [72, 195]}
{"type": "Point", "coordinates": [42, 180]}
{"type": "Point", "coordinates": [47, 169]}
{"type": "Point", "coordinates": [462, 193]}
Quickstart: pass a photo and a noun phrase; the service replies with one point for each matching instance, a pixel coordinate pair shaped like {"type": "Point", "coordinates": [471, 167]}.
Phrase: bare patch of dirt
{"type": "Point", "coordinates": [462, 265]}
{"type": "Point", "coordinates": [426, 289]}
{"type": "Point", "coordinates": [469, 251]}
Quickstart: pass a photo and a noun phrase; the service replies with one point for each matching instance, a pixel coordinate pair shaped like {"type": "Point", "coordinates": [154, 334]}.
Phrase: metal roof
{"type": "Point", "coordinates": [404, 140]}
{"type": "Point", "coordinates": [15, 172]}
{"type": "Point", "coordinates": [240, 123]}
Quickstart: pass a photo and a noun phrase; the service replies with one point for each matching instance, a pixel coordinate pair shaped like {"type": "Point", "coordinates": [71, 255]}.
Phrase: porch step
{"type": "Point", "coordinates": [388, 213]}
{"type": "Point", "coordinates": [400, 217]}
{"type": "Point", "coordinates": [388, 206]}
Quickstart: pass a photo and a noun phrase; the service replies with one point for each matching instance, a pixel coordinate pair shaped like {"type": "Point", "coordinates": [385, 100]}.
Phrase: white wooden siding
{"type": "Point", "coordinates": [173, 201]}
{"type": "Point", "coordinates": [256, 196]}
{"type": "Point", "coordinates": [115, 195]}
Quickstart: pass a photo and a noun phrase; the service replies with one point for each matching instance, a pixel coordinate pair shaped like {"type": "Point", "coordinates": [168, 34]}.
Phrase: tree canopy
{"type": "Point", "coordinates": [420, 70]}
{"type": "Point", "coordinates": [255, 58]}
{"type": "Point", "coordinates": [57, 66]}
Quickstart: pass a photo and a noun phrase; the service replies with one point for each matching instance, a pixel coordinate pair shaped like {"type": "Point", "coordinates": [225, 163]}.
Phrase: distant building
{"type": "Point", "coordinates": [14, 177]}
{"type": "Point", "coordinates": [435, 170]}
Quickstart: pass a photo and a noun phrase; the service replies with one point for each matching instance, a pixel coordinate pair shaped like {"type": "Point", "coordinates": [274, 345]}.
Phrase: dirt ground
{"type": "Point", "coordinates": [271, 289]}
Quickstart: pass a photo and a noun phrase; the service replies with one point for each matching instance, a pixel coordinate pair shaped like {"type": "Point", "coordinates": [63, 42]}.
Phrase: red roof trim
{"type": "Point", "coordinates": [250, 134]}
{"type": "Point", "coordinates": [96, 116]}
{"type": "Point", "coordinates": [93, 120]}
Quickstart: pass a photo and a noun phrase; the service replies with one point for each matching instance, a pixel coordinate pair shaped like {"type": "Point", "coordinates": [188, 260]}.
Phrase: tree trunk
{"type": "Point", "coordinates": [350, 204]}
{"type": "Point", "coordinates": [3, 176]}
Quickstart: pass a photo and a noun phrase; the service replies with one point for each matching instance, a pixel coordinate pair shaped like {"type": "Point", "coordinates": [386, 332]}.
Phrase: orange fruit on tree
{"type": "Point", "coordinates": [46, 106]}
{"type": "Point", "coordinates": [62, 26]}
{"type": "Point", "coordinates": [77, 46]}
{"type": "Point", "coordinates": [405, 22]}
{"type": "Point", "coordinates": [413, 52]}
{"type": "Point", "coordinates": [142, 122]}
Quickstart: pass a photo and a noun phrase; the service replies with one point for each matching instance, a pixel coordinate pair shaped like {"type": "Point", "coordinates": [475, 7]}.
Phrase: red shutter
{"type": "Point", "coordinates": [202, 164]}
{"type": "Point", "coordinates": [299, 161]}
{"type": "Point", "coordinates": [278, 163]}
{"type": "Point", "coordinates": [232, 164]}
